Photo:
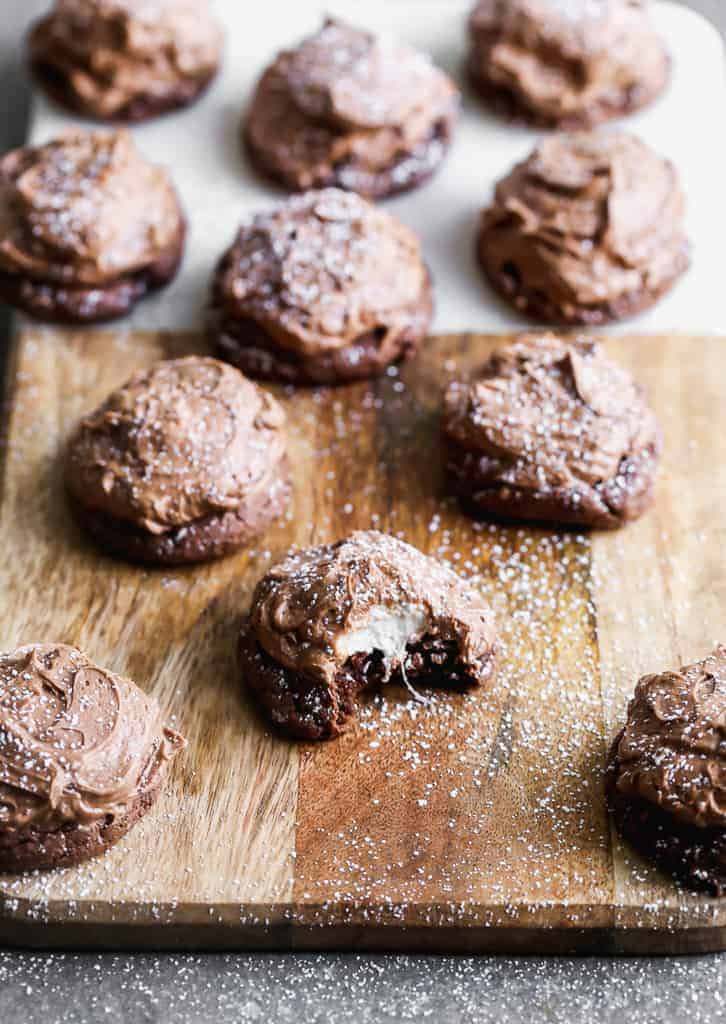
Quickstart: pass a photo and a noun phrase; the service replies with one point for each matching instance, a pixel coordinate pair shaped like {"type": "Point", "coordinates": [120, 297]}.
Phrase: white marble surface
{"type": "Point", "coordinates": [219, 189]}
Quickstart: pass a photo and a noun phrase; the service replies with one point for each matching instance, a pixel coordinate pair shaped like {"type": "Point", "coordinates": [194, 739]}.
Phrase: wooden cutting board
{"type": "Point", "coordinates": [474, 823]}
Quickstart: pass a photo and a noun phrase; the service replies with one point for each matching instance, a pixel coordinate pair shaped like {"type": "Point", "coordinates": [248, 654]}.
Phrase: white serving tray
{"type": "Point", "coordinates": [219, 188]}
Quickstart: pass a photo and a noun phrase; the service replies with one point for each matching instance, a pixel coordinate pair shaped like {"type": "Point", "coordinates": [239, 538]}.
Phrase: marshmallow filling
{"type": "Point", "coordinates": [401, 645]}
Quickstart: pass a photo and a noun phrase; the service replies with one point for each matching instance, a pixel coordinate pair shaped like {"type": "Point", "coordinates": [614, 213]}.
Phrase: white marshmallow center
{"type": "Point", "coordinates": [388, 630]}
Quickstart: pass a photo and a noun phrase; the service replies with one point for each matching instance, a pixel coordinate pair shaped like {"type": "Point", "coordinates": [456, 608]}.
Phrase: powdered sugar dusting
{"type": "Point", "coordinates": [479, 808]}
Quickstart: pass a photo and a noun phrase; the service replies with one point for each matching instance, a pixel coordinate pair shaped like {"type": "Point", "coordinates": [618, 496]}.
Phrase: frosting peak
{"type": "Point", "coordinates": [588, 220]}
{"type": "Point", "coordinates": [322, 270]}
{"type": "Point", "coordinates": [353, 79]}
{"type": "Point", "coordinates": [112, 54]}
{"type": "Point", "coordinates": [189, 438]}
{"type": "Point", "coordinates": [553, 410]}
{"type": "Point", "coordinates": [569, 59]}
{"type": "Point", "coordinates": [673, 750]}
{"type": "Point", "coordinates": [85, 208]}
{"type": "Point", "coordinates": [77, 742]}
{"type": "Point", "coordinates": [348, 108]}
{"type": "Point", "coordinates": [308, 610]}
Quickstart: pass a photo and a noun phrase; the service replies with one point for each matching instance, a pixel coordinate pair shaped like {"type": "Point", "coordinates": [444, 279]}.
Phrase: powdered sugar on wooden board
{"type": "Point", "coordinates": [476, 821]}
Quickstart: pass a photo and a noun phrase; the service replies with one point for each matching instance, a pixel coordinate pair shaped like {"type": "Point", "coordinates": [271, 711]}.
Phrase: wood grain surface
{"type": "Point", "coordinates": [472, 822]}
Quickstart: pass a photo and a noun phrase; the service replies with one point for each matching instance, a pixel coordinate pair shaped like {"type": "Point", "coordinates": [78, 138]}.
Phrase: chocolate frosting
{"type": "Point", "coordinates": [304, 605]}
{"type": "Point", "coordinates": [85, 209]}
{"type": "Point", "coordinates": [548, 412]}
{"type": "Point", "coordinates": [77, 742]}
{"type": "Point", "coordinates": [345, 95]}
{"type": "Point", "coordinates": [673, 750]}
{"type": "Point", "coordinates": [564, 57]}
{"type": "Point", "coordinates": [322, 270]}
{"type": "Point", "coordinates": [113, 51]}
{"type": "Point", "coordinates": [190, 438]}
{"type": "Point", "coordinates": [588, 218]}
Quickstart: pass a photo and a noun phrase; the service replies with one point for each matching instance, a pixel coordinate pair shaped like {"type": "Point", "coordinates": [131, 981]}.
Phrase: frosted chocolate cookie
{"type": "Point", "coordinates": [667, 776]}
{"type": "Point", "coordinates": [331, 621]}
{"type": "Point", "coordinates": [184, 463]}
{"type": "Point", "coordinates": [566, 63]}
{"type": "Point", "coordinates": [125, 60]}
{"type": "Point", "coordinates": [588, 229]}
{"type": "Point", "coordinates": [83, 756]}
{"type": "Point", "coordinates": [325, 289]}
{"type": "Point", "coordinates": [87, 228]}
{"type": "Point", "coordinates": [551, 430]}
{"type": "Point", "coordinates": [350, 109]}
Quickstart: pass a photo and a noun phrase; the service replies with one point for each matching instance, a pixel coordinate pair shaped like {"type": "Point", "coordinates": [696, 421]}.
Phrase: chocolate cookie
{"type": "Point", "coordinates": [182, 464]}
{"type": "Point", "coordinates": [588, 229]}
{"type": "Point", "coordinates": [323, 290]}
{"type": "Point", "coordinates": [331, 621]}
{"type": "Point", "coordinates": [125, 60]}
{"type": "Point", "coordinates": [87, 228]}
{"type": "Point", "coordinates": [347, 108]}
{"type": "Point", "coordinates": [551, 430]}
{"type": "Point", "coordinates": [565, 65]}
{"type": "Point", "coordinates": [83, 755]}
{"type": "Point", "coordinates": [667, 774]}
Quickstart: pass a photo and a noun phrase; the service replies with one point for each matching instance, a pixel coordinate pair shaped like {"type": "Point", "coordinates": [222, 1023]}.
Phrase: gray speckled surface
{"type": "Point", "coordinates": [233, 989]}
{"type": "Point", "coordinates": [357, 990]}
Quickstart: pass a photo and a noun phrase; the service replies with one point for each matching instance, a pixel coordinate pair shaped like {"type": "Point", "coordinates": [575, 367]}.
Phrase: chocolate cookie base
{"type": "Point", "coordinates": [57, 84]}
{"type": "Point", "coordinates": [298, 707]}
{"type": "Point", "coordinates": [246, 345]}
{"type": "Point", "coordinates": [607, 506]}
{"type": "Point", "coordinates": [407, 171]}
{"type": "Point", "coordinates": [70, 845]}
{"type": "Point", "coordinates": [507, 281]}
{"type": "Point", "coordinates": [694, 856]}
{"type": "Point", "coordinates": [505, 103]}
{"type": "Point", "coordinates": [201, 541]}
{"type": "Point", "coordinates": [306, 709]}
{"type": "Point", "coordinates": [66, 304]}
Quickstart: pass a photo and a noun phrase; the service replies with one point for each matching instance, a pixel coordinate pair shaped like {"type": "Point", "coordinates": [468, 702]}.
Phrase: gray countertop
{"type": "Point", "coordinates": [232, 989]}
